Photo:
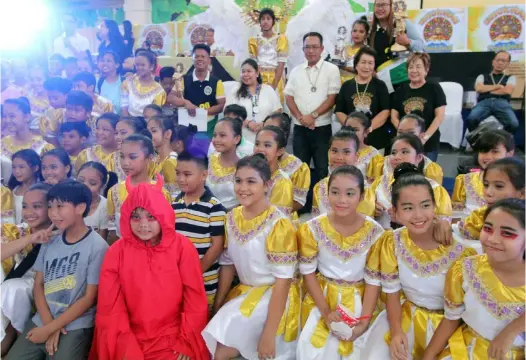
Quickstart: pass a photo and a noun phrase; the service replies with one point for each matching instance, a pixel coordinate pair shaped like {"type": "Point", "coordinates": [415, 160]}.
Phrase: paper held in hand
{"type": "Point", "coordinates": [200, 119]}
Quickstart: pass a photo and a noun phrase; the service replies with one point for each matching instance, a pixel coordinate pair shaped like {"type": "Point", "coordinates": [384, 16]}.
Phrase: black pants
{"type": "Point", "coordinates": [310, 145]}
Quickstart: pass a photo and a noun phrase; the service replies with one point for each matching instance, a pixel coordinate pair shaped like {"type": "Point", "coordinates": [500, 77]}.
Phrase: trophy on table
{"type": "Point", "coordinates": [400, 14]}
{"type": "Point", "coordinates": [339, 48]}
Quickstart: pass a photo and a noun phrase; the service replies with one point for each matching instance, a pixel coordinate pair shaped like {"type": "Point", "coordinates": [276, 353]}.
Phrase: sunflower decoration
{"type": "Point", "coordinates": [281, 11]}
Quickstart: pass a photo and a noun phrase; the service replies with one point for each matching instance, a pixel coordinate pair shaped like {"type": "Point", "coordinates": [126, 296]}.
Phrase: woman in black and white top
{"type": "Point", "coordinates": [260, 100]}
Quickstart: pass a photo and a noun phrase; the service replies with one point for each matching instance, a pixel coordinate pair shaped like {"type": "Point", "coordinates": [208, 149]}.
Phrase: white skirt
{"type": "Point", "coordinates": [232, 329]}
{"type": "Point", "coordinates": [17, 299]}
{"type": "Point", "coordinates": [307, 351]}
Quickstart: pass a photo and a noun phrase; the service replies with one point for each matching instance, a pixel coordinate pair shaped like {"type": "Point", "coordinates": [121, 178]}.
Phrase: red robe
{"type": "Point", "coordinates": [151, 303]}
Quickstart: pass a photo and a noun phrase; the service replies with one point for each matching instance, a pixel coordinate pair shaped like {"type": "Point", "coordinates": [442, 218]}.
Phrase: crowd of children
{"type": "Point", "coordinates": [124, 239]}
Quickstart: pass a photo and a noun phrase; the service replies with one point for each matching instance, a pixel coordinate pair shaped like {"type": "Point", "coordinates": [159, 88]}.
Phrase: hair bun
{"type": "Point", "coordinates": [417, 112]}
{"type": "Point", "coordinates": [192, 129]}
{"type": "Point", "coordinates": [363, 17]}
{"type": "Point", "coordinates": [405, 169]}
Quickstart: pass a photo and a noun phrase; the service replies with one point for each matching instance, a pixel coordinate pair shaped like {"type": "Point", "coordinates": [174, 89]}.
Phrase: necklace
{"type": "Point", "coordinates": [362, 105]}
{"type": "Point", "coordinates": [313, 87]}
{"type": "Point", "coordinates": [255, 101]}
{"type": "Point", "coordinates": [493, 80]}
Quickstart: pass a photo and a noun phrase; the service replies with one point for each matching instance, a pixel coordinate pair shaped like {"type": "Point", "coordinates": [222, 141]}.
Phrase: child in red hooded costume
{"type": "Point", "coordinates": [151, 303]}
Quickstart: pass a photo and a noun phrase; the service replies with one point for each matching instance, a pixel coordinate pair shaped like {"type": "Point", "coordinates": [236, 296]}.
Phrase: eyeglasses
{"type": "Point", "coordinates": [384, 5]}
{"type": "Point", "coordinates": [504, 61]}
{"type": "Point", "coordinates": [311, 47]}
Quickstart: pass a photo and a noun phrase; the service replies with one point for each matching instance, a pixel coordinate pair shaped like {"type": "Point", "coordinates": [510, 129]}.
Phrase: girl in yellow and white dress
{"type": "Point", "coordinates": [297, 170]}
{"type": "Point", "coordinates": [485, 294]}
{"type": "Point", "coordinates": [262, 312]}
{"type": "Point", "coordinates": [410, 261]}
{"type": "Point", "coordinates": [468, 193]}
{"type": "Point", "coordinates": [106, 127]}
{"type": "Point", "coordinates": [161, 129]}
{"type": "Point", "coordinates": [368, 158]}
{"type": "Point", "coordinates": [407, 151]}
{"type": "Point", "coordinates": [136, 159]}
{"type": "Point", "coordinates": [502, 179]}
{"type": "Point", "coordinates": [343, 150]}
{"type": "Point", "coordinates": [337, 245]}
{"type": "Point", "coordinates": [271, 143]}
{"type": "Point", "coordinates": [18, 242]}
{"type": "Point", "coordinates": [26, 172]}
{"type": "Point", "coordinates": [222, 164]}
{"type": "Point", "coordinates": [270, 51]}
{"type": "Point", "coordinates": [126, 126]}
{"type": "Point", "coordinates": [141, 89]}
{"type": "Point", "coordinates": [17, 113]}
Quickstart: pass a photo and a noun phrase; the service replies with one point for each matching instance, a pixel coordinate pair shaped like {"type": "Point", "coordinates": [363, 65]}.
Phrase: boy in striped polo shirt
{"type": "Point", "coordinates": [200, 217]}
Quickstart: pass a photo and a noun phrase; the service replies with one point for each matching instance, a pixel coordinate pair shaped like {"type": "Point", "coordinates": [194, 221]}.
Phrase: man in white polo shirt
{"type": "Point", "coordinates": [70, 43]}
{"type": "Point", "coordinates": [310, 94]}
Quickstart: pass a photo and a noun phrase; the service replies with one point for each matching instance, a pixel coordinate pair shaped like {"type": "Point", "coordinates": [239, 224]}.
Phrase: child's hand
{"type": "Point", "coordinates": [182, 357]}
{"type": "Point", "coordinates": [42, 236]}
{"type": "Point", "coordinates": [442, 232]}
{"type": "Point", "coordinates": [500, 345]}
{"type": "Point", "coordinates": [52, 342]}
{"type": "Point", "coordinates": [267, 346]}
{"type": "Point", "coordinates": [378, 209]}
{"type": "Point", "coordinates": [359, 329]}
{"type": "Point", "coordinates": [38, 335]}
{"type": "Point", "coordinates": [333, 316]}
{"type": "Point", "coordinates": [399, 346]}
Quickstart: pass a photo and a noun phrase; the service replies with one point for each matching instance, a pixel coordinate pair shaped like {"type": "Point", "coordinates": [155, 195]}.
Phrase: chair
{"type": "Point", "coordinates": [452, 127]}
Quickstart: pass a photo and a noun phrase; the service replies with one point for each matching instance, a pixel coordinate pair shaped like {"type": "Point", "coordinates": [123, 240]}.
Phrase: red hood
{"type": "Point", "coordinates": [149, 197]}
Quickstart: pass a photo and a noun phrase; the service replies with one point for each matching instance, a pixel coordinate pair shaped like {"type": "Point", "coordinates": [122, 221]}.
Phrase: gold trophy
{"type": "Point", "coordinates": [400, 14]}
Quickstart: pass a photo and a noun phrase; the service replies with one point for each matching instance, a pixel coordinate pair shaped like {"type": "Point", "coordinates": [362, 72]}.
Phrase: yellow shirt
{"type": "Point", "coordinates": [281, 192]}
{"type": "Point", "coordinates": [93, 153]}
{"type": "Point", "coordinates": [269, 52]}
{"type": "Point", "coordinates": [51, 121]}
{"type": "Point", "coordinates": [369, 161]}
{"type": "Point", "coordinates": [8, 147]}
{"type": "Point", "coordinates": [471, 226]}
{"type": "Point", "coordinates": [299, 174]}
{"type": "Point", "coordinates": [320, 200]}
{"type": "Point", "coordinates": [431, 169]}
{"type": "Point", "coordinates": [167, 169]}
{"type": "Point", "coordinates": [101, 105]}
{"type": "Point", "coordinates": [135, 96]}
{"type": "Point", "coordinates": [7, 212]}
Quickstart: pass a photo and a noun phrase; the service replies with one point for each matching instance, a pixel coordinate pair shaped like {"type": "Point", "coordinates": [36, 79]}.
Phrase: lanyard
{"type": "Point", "coordinates": [255, 102]}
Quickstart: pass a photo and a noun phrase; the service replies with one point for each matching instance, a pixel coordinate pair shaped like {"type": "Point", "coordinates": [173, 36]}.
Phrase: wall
{"type": "Point", "coordinates": [430, 4]}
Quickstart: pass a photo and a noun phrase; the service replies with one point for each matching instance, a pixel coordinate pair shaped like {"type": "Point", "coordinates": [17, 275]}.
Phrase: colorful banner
{"type": "Point", "coordinates": [443, 30]}
{"type": "Point", "coordinates": [496, 28]}
{"type": "Point", "coordinates": [161, 38]}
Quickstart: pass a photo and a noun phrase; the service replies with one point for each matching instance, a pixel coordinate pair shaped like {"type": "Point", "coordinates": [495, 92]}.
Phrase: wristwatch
{"type": "Point", "coordinates": [315, 115]}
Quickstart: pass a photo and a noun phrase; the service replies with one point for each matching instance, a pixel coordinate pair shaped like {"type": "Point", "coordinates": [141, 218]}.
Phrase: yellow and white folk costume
{"type": "Point", "coordinates": [269, 53]}
{"type": "Point", "coordinates": [135, 96]}
{"type": "Point", "coordinates": [17, 294]}
{"type": "Point", "coordinates": [261, 249]}
{"type": "Point", "coordinates": [380, 191]}
{"type": "Point", "coordinates": [39, 107]}
{"type": "Point", "coordinates": [475, 294]}
{"type": "Point", "coordinates": [93, 153]}
{"type": "Point", "coordinates": [468, 193]}
{"type": "Point", "coordinates": [166, 167]}
{"type": "Point", "coordinates": [368, 160]}
{"type": "Point", "coordinates": [341, 262]}
{"type": "Point", "coordinates": [299, 174]}
{"type": "Point", "coordinates": [116, 197]}
{"type": "Point", "coordinates": [101, 105]}
{"type": "Point", "coordinates": [320, 200]}
{"type": "Point", "coordinates": [281, 192]}
{"type": "Point", "coordinates": [420, 274]}
{"type": "Point", "coordinates": [8, 146]}
{"type": "Point", "coordinates": [7, 201]}
{"type": "Point", "coordinates": [220, 181]}
{"type": "Point", "coordinates": [51, 121]}
{"type": "Point", "coordinates": [114, 165]}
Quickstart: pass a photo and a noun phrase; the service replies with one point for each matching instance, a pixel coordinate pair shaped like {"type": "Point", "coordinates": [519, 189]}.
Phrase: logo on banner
{"type": "Point", "coordinates": [438, 30]}
{"type": "Point", "coordinates": [505, 29]}
{"type": "Point", "coordinates": [154, 35]}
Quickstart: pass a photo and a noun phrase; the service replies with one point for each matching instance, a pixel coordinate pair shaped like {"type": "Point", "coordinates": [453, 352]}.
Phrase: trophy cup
{"type": "Point", "coordinates": [339, 48]}
{"type": "Point", "coordinates": [400, 14]}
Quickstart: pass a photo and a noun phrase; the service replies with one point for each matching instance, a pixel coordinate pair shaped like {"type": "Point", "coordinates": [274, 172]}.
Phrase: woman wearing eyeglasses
{"type": "Point", "coordinates": [382, 35]}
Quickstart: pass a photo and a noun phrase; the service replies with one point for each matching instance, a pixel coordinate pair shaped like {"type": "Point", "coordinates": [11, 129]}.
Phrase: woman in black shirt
{"type": "Point", "coordinates": [425, 98]}
{"type": "Point", "coordinates": [367, 94]}
{"type": "Point", "coordinates": [111, 39]}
